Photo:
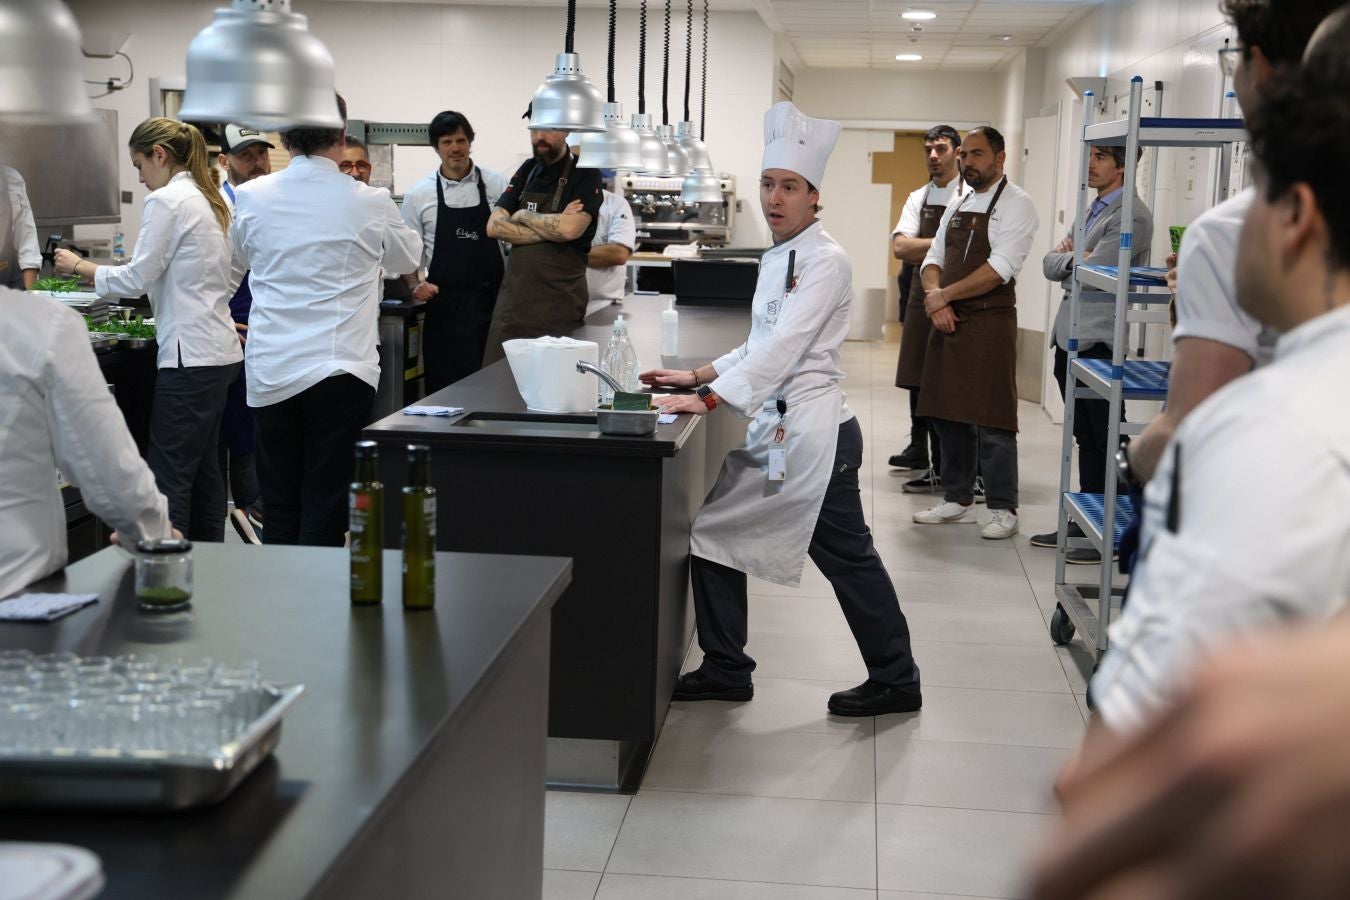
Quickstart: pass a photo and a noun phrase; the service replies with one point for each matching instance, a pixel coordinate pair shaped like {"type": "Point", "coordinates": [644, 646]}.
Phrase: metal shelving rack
{"type": "Point", "coordinates": [1116, 380]}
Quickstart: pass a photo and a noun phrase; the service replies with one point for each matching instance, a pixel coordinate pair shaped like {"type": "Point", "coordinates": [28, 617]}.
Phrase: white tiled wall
{"type": "Point", "coordinates": [404, 62]}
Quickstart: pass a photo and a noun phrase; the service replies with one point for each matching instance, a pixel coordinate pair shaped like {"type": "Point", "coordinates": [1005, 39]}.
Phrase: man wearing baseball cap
{"type": "Point", "coordinates": [243, 156]}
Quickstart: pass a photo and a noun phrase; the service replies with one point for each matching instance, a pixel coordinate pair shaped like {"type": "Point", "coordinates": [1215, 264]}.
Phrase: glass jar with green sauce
{"type": "Point", "coordinates": [163, 574]}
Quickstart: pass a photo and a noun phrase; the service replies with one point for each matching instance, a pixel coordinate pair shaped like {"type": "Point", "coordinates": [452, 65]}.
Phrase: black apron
{"type": "Point", "coordinates": [10, 273]}
{"type": "Point", "coordinates": [466, 266]}
{"type": "Point", "coordinates": [544, 291]}
{"type": "Point", "coordinates": [914, 337]}
{"type": "Point", "coordinates": [970, 375]}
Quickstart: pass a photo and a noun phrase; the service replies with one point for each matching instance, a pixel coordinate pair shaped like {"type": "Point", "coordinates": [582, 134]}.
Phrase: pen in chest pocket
{"type": "Point", "coordinates": [791, 268]}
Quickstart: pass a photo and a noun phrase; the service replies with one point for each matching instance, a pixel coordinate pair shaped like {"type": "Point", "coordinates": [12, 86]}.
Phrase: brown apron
{"type": "Point", "coordinates": [544, 289]}
{"type": "Point", "coordinates": [914, 335]}
{"type": "Point", "coordinates": [970, 375]}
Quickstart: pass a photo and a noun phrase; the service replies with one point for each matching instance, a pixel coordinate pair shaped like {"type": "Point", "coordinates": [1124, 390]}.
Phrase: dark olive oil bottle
{"type": "Point", "coordinates": [365, 517]}
{"type": "Point", "coordinates": [419, 531]}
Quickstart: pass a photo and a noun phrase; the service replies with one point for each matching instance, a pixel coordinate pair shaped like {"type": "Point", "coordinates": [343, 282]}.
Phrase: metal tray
{"type": "Point", "coordinates": [133, 343]}
{"type": "Point", "coordinates": [143, 780]}
{"type": "Point", "coordinates": [102, 340]}
{"type": "Point", "coordinates": [626, 421]}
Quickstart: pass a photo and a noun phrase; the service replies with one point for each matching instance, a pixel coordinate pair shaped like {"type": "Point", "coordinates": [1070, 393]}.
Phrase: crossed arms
{"type": "Point", "coordinates": [526, 227]}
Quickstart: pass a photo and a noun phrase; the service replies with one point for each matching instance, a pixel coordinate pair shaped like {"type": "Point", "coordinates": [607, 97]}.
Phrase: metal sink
{"type": "Point", "coordinates": [526, 421]}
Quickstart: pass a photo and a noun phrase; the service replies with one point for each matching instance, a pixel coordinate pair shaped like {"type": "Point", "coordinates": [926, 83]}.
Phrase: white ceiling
{"type": "Point", "coordinates": [965, 36]}
{"type": "Point", "coordinates": [867, 34]}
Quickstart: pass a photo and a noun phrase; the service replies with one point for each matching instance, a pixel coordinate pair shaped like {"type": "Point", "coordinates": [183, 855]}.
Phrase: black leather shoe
{"type": "Point", "coordinates": [912, 457]}
{"type": "Point", "coordinates": [872, 698]}
{"type": "Point", "coordinates": [696, 685]}
{"type": "Point", "coordinates": [1049, 540]}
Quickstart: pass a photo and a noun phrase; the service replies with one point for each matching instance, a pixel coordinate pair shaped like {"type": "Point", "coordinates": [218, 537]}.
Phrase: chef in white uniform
{"type": "Point", "coordinates": [615, 240]}
{"type": "Point", "coordinates": [792, 489]}
{"type": "Point", "coordinates": [20, 258]}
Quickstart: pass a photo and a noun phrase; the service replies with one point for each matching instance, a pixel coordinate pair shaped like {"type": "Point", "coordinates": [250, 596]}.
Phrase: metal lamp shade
{"type": "Point", "coordinates": [567, 101]}
{"type": "Point", "coordinates": [260, 68]}
{"type": "Point", "coordinates": [41, 70]}
{"type": "Point", "coordinates": [618, 147]}
{"type": "Point", "coordinates": [701, 186]}
{"type": "Point", "coordinates": [655, 159]}
{"type": "Point", "coordinates": [697, 150]}
{"type": "Point", "coordinates": [679, 159]}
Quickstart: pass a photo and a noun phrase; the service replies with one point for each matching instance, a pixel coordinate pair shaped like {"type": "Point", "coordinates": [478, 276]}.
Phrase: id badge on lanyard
{"type": "Point", "coordinates": [777, 467]}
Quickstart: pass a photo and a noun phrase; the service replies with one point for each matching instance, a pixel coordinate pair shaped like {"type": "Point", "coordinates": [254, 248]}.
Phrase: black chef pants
{"type": "Point", "coordinates": [184, 428]}
{"type": "Point", "coordinates": [306, 459]}
{"type": "Point", "coordinates": [841, 547]}
{"type": "Point", "coordinates": [921, 433]}
{"type": "Point", "coordinates": [1090, 421]}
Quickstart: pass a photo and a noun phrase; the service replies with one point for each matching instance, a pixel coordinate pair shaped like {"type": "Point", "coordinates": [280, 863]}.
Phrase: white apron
{"type": "Point", "coordinates": [748, 523]}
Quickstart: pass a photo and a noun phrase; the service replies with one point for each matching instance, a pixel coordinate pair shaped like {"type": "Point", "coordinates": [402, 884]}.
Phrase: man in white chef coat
{"type": "Point", "coordinates": [792, 489]}
{"type": "Point", "coordinates": [20, 257]}
{"type": "Point", "coordinates": [615, 239]}
{"type": "Point", "coordinates": [315, 241]}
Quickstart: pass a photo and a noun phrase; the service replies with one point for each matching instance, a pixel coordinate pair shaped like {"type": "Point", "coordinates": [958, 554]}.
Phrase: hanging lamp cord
{"type": "Point", "coordinates": [642, 58]}
{"type": "Point", "coordinates": [703, 93]}
{"type": "Point", "coordinates": [665, 74]}
{"type": "Point", "coordinates": [688, 56]}
{"type": "Point", "coordinates": [571, 23]}
{"type": "Point", "coordinates": [613, 21]}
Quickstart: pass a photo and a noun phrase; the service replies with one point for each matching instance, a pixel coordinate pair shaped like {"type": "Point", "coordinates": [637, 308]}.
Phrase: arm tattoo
{"type": "Point", "coordinates": [545, 226]}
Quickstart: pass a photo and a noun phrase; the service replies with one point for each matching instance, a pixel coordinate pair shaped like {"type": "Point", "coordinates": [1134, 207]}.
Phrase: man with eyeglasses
{"type": "Point", "coordinates": [355, 160]}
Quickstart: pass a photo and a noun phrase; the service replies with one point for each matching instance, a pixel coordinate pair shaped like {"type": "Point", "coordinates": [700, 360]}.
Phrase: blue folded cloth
{"type": "Point", "coordinates": [433, 410]}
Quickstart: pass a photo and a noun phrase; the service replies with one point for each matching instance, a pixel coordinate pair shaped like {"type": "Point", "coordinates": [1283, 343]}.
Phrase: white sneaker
{"type": "Point", "coordinates": [1002, 525]}
{"type": "Point", "coordinates": [944, 514]}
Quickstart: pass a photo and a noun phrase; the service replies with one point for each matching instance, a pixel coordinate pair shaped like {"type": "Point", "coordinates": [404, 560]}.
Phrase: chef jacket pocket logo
{"type": "Point", "coordinates": [532, 206]}
{"type": "Point", "coordinates": [464, 235]}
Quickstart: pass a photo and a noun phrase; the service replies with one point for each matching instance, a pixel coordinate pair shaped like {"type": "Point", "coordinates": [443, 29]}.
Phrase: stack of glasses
{"type": "Point", "coordinates": [62, 704]}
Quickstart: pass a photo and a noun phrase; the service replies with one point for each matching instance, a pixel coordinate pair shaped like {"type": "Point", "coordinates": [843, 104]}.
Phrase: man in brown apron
{"type": "Point", "coordinates": [968, 383]}
{"type": "Point", "coordinates": [910, 241]}
{"type": "Point", "coordinates": [547, 214]}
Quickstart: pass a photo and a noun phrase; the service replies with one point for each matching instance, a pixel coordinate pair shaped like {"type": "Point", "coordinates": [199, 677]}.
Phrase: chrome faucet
{"type": "Point", "coordinates": [583, 367]}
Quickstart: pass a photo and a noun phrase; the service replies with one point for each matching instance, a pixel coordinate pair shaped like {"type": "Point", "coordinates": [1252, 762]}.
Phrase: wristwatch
{"type": "Point", "coordinates": [706, 394]}
{"type": "Point", "coordinates": [1124, 469]}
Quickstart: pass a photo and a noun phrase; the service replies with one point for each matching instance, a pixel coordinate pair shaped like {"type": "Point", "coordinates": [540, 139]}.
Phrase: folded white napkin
{"type": "Point", "coordinates": [43, 607]}
{"type": "Point", "coordinates": [433, 410]}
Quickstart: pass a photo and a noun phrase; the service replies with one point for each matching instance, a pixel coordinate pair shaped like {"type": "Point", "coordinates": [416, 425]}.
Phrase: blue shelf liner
{"type": "Point", "coordinates": [1093, 505]}
{"type": "Point", "coordinates": [1143, 379]}
{"type": "Point", "coordinates": [1140, 276]}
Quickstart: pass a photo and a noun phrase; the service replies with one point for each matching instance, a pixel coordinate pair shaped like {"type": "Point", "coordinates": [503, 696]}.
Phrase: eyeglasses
{"type": "Point", "coordinates": [359, 165]}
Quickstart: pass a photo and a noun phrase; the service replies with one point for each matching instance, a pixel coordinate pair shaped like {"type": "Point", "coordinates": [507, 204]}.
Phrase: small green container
{"type": "Point", "coordinates": [1175, 232]}
{"type": "Point", "coordinates": [164, 575]}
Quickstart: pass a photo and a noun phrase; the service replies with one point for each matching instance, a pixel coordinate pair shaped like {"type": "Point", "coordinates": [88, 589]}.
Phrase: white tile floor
{"type": "Point", "coordinates": [776, 800]}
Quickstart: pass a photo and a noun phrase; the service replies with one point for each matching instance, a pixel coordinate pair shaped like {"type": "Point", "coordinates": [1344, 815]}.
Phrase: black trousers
{"type": "Point", "coordinates": [921, 433]}
{"type": "Point", "coordinates": [184, 429]}
{"type": "Point", "coordinates": [1090, 421]}
{"type": "Point", "coordinates": [969, 450]}
{"type": "Point", "coordinates": [841, 547]}
{"type": "Point", "coordinates": [307, 459]}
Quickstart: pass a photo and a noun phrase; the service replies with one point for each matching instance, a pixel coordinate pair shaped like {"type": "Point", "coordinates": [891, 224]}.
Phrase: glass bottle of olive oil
{"type": "Point", "coordinates": [419, 531]}
{"type": "Point", "coordinates": [365, 508]}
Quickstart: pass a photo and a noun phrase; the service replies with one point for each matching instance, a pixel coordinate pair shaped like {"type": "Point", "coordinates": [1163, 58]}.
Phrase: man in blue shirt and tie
{"type": "Point", "coordinates": [1096, 321]}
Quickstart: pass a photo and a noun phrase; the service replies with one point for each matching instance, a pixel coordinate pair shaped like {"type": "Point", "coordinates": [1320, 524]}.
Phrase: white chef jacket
{"type": "Point", "coordinates": [614, 225]}
{"type": "Point", "coordinates": [930, 194]}
{"type": "Point", "coordinates": [1012, 228]}
{"type": "Point", "coordinates": [55, 410]}
{"type": "Point", "coordinates": [315, 241]}
{"type": "Point", "coordinates": [21, 228]}
{"type": "Point", "coordinates": [184, 261]}
{"type": "Point", "coordinates": [749, 524]}
{"type": "Point", "coordinates": [1207, 304]}
{"type": "Point", "coordinates": [419, 203]}
{"type": "Point", "coordinates": [1248, 553]}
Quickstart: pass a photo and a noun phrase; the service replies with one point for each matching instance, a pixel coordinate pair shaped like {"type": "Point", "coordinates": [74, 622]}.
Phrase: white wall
{"type": "Point", "coordinates": [881, 95]}
{"type": "Point", "coordinates": [856, 211]}
{"type": "Point", "coordinates": [404, 62]}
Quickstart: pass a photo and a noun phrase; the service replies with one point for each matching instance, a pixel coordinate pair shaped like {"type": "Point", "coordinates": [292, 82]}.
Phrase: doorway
{"type": "Point", "coordinates": [904, 169]}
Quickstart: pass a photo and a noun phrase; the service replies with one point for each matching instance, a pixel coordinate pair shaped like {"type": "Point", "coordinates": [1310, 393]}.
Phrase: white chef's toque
{"type": "Point", "coordinates": [797, 142]}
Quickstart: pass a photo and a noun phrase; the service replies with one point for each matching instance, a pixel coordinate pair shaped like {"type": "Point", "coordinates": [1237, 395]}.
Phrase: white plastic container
{"type": "Point", "coordinates": [670, 330]}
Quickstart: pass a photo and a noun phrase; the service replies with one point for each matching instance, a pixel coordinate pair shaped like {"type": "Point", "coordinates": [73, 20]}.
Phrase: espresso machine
{"type": "Point", "coordinates": [663, 219]}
